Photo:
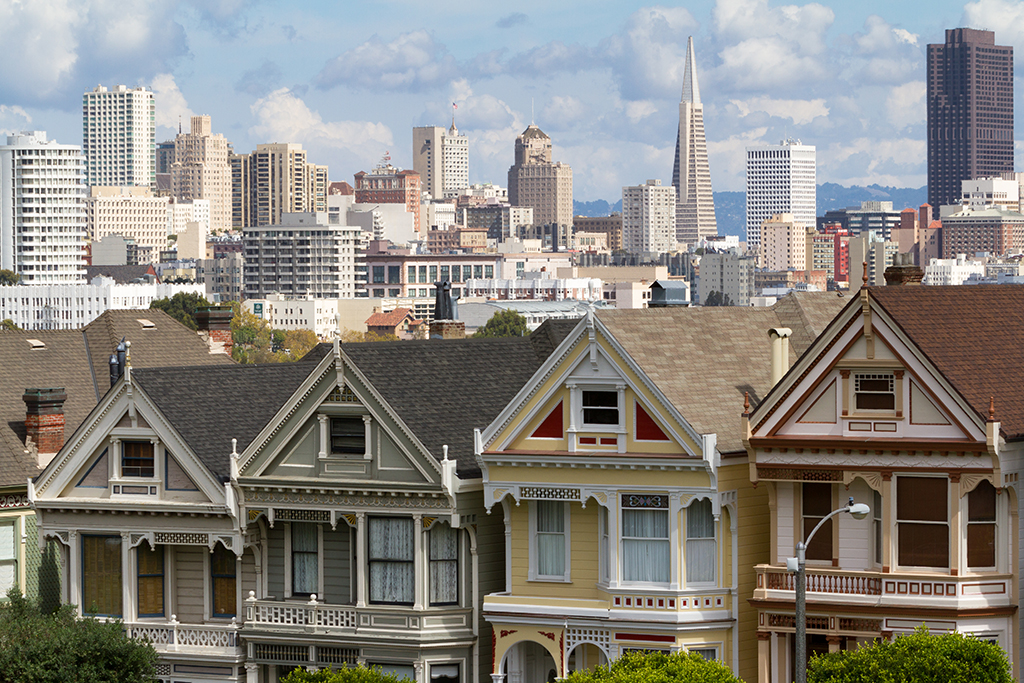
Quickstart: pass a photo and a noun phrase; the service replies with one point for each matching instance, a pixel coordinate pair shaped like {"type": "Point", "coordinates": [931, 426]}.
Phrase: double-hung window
{"type": "Point", "coordinates": [550, 540]}
{"type": "Point", "coordinates": [348, 436]}
{"type": "Point", "coordinates": [305, 558]}
{"type": "Point", "coordinates": [981, 527]}
{"type": "Point", "coordinates": [150, 564]}
{"type": "Point", "coordinates": [222, 575]}
{"type": "Point", "coordinates": [922, 521]}
{"type": "Point", "coordinates": [8, 556]}
{"type": "Point", "coordinates": [645, 543]}
{"type": "Point", "coordinates": [600, 408]}
{"type": "Point", "coordinates": [876, 391]}
{"type": "Point", "coordinates": [136, 459]}
{"type": "Point", "coordinates": [817, 504]}
{"type": "Point", "coordinates": [101, 575]}
{"type": "Point", "coordinates": [444, 565]}
{"type": "Point", "coordinates": [391, 553]}
{"type": "Point", "coordinates": [701, 549]}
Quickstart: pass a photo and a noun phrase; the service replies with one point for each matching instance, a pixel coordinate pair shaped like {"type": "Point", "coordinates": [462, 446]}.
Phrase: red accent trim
{"type": "Point", "coordinates": [645, 637]}
{"type": "Point", "coordinates": [646, 428]}
{"type": "Point", "coordinates": [551, 427]}
{"type": "Point", "coordinates": [589, 440]}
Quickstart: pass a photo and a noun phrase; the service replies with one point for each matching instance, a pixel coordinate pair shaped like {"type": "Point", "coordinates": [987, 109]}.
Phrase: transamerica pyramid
{"type": "Point", "coordinates": [691, 175]}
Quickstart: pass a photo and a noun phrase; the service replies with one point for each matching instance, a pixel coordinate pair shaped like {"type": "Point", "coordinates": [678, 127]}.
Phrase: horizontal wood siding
{"type": "Point", "coordinates": [275, 562]}
{"type": "Point", "coordinates": [248, 577]}
{"type": "Point", "coordinates": [337, 569]}
{"type": "Point", "coordinates": [189, 577]}
{"type": "Point", "coordinates": [856, 537]}
{"type": "Point", "coordinates": [785, 512]}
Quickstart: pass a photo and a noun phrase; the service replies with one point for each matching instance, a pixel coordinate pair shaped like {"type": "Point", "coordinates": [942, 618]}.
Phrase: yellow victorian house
{"type": "Point", "coordinates": [630, 521]}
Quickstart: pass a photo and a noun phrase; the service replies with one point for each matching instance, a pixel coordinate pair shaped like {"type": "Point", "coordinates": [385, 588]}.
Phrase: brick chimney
{"type": "Point", "coordinates": [448, 329]}
{"type": "Point", "coordinates": [903, 271]}
{"type": "Point", "coordinates": [44, 422]}
{"type": "Point", "coordinates": [214, 323]}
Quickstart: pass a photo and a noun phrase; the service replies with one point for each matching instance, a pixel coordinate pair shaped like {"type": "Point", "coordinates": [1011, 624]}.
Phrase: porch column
{"type": "Point", "coordinates": [763, 656]}
{"type": "Point", "coordinates": [361, 559]}
{"type": "Point", "coordinates": [497, 678]}
{"type": "Point", "coordinates": [418, 671]}
{"type": "Point", "coordinates": [888, 525]}
{"type": "Point", "coordinates": [419, 576]}
{"type": "Point", "coordinates": [325, 435]}
{"type": "Point", "coordinates": [613, 540]}
{"type": "Point", "coordinates": [252, 672]}
{"type": "Point", "coordinates": [833, 643]}
{"type": "Point", "coordinates": [74, 586]}
{"type": "Point", "coordinates": [127, 582]}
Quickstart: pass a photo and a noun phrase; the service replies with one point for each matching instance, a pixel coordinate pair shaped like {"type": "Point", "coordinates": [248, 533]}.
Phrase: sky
{"type": "Point", "coordinates": [349, 80]}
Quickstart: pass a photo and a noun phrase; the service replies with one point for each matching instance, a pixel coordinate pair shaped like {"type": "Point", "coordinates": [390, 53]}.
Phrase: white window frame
{"type": "Point", "coordinates": [965, 507]}
{"type": "Point", "coordinates": [686, 546]}
{"type": "Point", "coordinates": [622, 539]}
{"type": "Point", "coordinates": [13, 561]}
{"type": "Point", "coordinates": [577, 387]}
{"type": "Point", "coordinates": [603, 546]}
{"type": "Point", "coordinates": [288, 561]}
{"type": "Point", "coordinates": [533, 572]}
{"type": "Point", "coordinates": [876, 375]}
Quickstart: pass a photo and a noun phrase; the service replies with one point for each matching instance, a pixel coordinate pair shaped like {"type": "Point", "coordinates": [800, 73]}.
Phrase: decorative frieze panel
{"type": "Point", "coordinates": [180, 538]}
{"type": "Point", "coordinates": [638, 500]}
{"type": "Point", "coordinates": [794, 474]}
{"type": "Point", "coordinates": [290, 515]}
{"type": "Point", "coordinates": [540, 493]}
{"type": "Point", "coordinates": [14, 501]}
{"type": "Point", "coordinates": [341, 500]}
{"type": "Point", "coordinates": [660, 602]}
{"type": "Point", "coordinates": [600, 637]}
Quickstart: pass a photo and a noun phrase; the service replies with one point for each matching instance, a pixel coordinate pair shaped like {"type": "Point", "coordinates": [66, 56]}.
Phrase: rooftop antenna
{"type": "Point", "coordinates": [179, 124]}
{"type": "Point", "coordinates": [531, 112]}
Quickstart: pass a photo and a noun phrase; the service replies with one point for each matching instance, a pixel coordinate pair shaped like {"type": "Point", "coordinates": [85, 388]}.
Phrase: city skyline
{"type": "Point", "coordinates": [602, 80]}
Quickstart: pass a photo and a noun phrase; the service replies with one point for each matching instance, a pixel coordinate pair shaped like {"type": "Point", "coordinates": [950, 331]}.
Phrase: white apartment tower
{"type": "Point", "coordinates": [780, 179]}
{"type": "Point", "coordinates": [132, 212]}
{"type": "Point", "coordinates": [42, 212]}
{"type": "Point", "coordinates": [691, 174]}
{"type": "Point", "coordinates": [441, 157]}
{"type": "Point", "coordinates": [119, 136]}
{"type": "Point", "coordinates": [649, 218]}
{"type": "Point", "coordinates": [201, 171]}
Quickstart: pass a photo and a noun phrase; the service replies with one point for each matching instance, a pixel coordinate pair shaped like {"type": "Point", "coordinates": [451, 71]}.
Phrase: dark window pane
{"type": "Point", "coordinates": [101, 575]}
{"type": "Point", "coordinates": [981, 545]}
{"type": "Point", "coordinates": [817, 499]}
{"type": "Point", "coordinates": [981, 503]}
{"type": "Point", "coordinates": [923, 545]}
{"type": "Point", "coordinates": [921, 498]}
{"type": "Point", "coordinates": [137, 459]}
{"type": "Point", "coordinates": [875, 385]}
{"type": "Point", "coordinates": [600, 407]}
{"type": "Point", "coordinates": [222, 568]}
{"type": "Point", "coordinates": [821, 545]}
{"type": "Point", "coordinates": [876, 402]}
{"type": "Point", "coordinates": [348, 435]}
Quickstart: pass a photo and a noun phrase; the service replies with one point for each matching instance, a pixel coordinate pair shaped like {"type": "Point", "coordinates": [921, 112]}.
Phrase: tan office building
{"type": "Point", "coordinates": [201, 171]}
{"type": "Point", "coordinates": [535, 181]}
{"type": "Point", "coordinates": [274, 180]}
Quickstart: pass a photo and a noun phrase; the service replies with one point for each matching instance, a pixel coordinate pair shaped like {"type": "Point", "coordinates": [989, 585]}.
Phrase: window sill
{"type": "Point", "coordinates": [544, 579]}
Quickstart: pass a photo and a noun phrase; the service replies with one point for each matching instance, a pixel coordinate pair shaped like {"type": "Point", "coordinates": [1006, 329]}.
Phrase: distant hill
{"type": "Point", "coordinates": [731, 207]}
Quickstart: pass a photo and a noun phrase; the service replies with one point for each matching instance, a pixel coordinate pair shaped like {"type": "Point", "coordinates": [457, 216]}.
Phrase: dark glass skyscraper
{"type": "Point", "coordinates": [970, 112]}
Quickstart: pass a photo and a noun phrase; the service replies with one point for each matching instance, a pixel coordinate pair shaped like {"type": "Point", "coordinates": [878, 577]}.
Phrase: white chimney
{"type": "Point", "coordinates": [779, 337]}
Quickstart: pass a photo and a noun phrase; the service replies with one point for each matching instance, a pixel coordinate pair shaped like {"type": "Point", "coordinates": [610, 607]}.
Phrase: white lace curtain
{"type": "Point", "coordinates": [700, 542]}
{"type": "Point", "coordinates": [444, 565]}
{"type": "Point", "coordinates": [304, 558]}
{"type": "Point", "coordinates": [550, 538]}
{"type": "Point", "coordinates": [645, 546]}
{"type": "Point", "coordinates": [8, 558]}
{"type": "Point", "coordinates": [392, 576]}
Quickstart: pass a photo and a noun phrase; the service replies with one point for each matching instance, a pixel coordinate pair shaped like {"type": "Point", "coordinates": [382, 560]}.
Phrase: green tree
{"type": "Point", "coordinates": [917, 658]}
{"type": "Point", "coordinates": [658, 667]}
{"type": "Point", "coordinates": [358, 674]}
{"type": "Point", "coordinates": [251, 338]}
{"type": "Point", "coordinates": [182, 307]}
{"type": "Point", "coordinates": [8, 277]}
{"type": "Point", "coordinates": [507, 323]}
{"type": "Point", "coordinates": [7, 325]}
{"type": "Point", "coordinates": [61, 648]}
{"type": "Point", "coordinates": [299, 342]}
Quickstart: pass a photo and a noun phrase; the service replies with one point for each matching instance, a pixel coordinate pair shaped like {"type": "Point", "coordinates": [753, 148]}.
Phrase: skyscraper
{"type": "Point", "coordinates": [200, 170]}
{"type": "Point", "coordinates": [780, 179]}
{"type": "Point", "coordinates": [691, 174]}
{"type": "Point", "coordinates": [119, 136]}
{"type": "Point", "coordinates": [535, 181]}
{"type": "Point", "coordinates": [649, 218]}
{"type": "Point", "coordinates": [970, 112]}
{"type": "Point", "coordinates": [273, 180]}
{"type": "Point", "coordinates": [441, 158]}
{"type": "Point", "coordinates": [42, 210]}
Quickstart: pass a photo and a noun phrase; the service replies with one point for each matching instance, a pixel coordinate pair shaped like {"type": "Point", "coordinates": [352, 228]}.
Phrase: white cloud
{"type": "Point", "coordinates": [40, 42]}
{"type": "Point", "coordinates": [1006, 17]}
{"type": "Point", "coordinates": [905, 105]}
{"type": "Point", "coordinates": [904, 36]}
{"type": "Point", "coordinates": [648, 57]}
{"type": "Point", "coordinates": [13, 119]}
{"type": "Point", "coordinates": [728, 158]}
{"type": "Point", "coordinates": [798, 111]}
{"type": "Point", "coordinates": [412, 61]}
{"type": "Point", "coordinates": [562, 111]}
{"type": "Point", "coordinates": [283, 117]}
{"type": "Point", "coordinates": [640, 109]}
{"type": "Point", "coordinates": [870, 160]}
{"type": "Point", "coordinates": [170, 103]}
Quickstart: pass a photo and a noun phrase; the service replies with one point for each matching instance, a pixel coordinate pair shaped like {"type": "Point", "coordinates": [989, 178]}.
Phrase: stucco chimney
{"type": "Point", "coordinates": [44, 422]}
{"type": "Point", "coordinates": [779, 337]}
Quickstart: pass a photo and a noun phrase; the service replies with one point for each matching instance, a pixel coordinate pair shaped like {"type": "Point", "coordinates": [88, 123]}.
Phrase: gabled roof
{"type": "Point", "coordinates": [444, 389]}
{"type": "Point", "coordinates": [974, 336]}
{"type": "Point", "coordinates": [704, 359]}
{"type": "Point", "coordinates": [121, 274]}
{"type": "Point", "coordinates": [209, 406]}
{"type": "Point", "coordinates": [393, 318]}
{"type": "Point", "coordinates": [78, 361]}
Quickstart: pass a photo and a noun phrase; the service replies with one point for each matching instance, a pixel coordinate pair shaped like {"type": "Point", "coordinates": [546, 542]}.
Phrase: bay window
{"type": "Point", "coordinates": [701, 549]}
{"type": "Point", "coordinates": [101, 575]}
{"type": "Point", "coordinates": [391, 553]}
{"type": "Point", "coordinates": [444, 565]}
{"type": "Point", "coordinates": [150, 570]}
{"type": "Point", "coordinates": [550, 540]}
{"type": "Point", "coordinates": [645, 543]}
{"type": "Point", "coordinates": [922, 521]}
{"type": "Point", "coordinates": [305, 558]}
{"type": "Point", "coordinates": [981, 527]}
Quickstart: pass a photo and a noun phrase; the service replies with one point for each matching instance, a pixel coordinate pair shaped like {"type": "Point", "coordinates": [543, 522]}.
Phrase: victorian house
{"type": "Point", "coordinates": [329, 512]}
{"type": "Point", "coordinates": [909, 402]}
{"type": "Point", "coordinates": [620, 473]}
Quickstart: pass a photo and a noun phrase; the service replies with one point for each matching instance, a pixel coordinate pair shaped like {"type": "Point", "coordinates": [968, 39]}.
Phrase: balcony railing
{"type": "Point", "coordinates": [173, 636]}
{"type": "Point", "coordinates": [896, 589]}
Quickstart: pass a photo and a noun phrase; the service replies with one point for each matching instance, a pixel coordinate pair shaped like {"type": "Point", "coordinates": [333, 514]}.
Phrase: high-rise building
{"type": "Point", "coordinates": [970, 112]}
{"type": "Point", "coordinates": [42, 212]}
{"type": "Point", "coordinates": [119, 136]}
{"type": "Point", "coordinates": [783, 243]}
{"type": "Point", "coordinates": [780, 179]}
{"type": "Point", "coordinates": [132, 212]}
{"type": "Point", "coordinates": [200, 170]}
{"type": "Point", "coordinates": [535, 181]}
{"type": "Point", "coordinates": [441, 157]}
{"type": "Point", "coordinates": [649, 218]}
{"type": "Point", "coordinates": [691, 174]}
{"type": "Point", "coordinates": [274, 180]}
{"type": "Point", "coordinates": [729, 274]}
{"type": "Point", "coordinates": [386, 184]}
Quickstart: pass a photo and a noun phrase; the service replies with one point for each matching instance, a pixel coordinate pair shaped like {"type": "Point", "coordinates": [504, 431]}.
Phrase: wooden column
{"type": "Point", "coordinates": [361, 560]}
{"type": "Point", "coordinates": [954, 523]}
{"type": "Point", "coordinates": [764, 659]}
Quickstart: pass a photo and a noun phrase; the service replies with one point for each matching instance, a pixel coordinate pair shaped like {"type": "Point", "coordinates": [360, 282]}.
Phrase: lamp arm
{"type": "Point", "coordinates": [824, 519]}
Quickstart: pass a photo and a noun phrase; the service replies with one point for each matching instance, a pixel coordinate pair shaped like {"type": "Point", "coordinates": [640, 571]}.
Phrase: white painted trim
{"type": "Point", "coordinates": [533, 572]}
{"type": "Point", "coordinates": [286, 528]}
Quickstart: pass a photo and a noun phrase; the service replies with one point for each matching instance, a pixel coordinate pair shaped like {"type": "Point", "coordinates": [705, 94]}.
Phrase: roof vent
{"type": "Point", "coordinates": [146, 324]}
{"type": "Point", "coordinates": [36, 344]}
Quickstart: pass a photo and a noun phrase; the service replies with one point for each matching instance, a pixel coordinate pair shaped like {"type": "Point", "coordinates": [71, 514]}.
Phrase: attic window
{"type": "Point", "coordinates": [146, 324]}
{"type": "Point", "coordinates": [36, 344]}
{"type": "Point", "coordinates": [875, 391]}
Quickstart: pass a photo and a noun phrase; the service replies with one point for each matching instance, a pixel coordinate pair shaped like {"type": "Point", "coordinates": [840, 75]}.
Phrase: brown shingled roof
{"type": "Point", "coordinates": [704, 359]}
{"type": "Point", "coordinates": [391, 319]}
{"type": "Point", "coordinates": [974, 336]}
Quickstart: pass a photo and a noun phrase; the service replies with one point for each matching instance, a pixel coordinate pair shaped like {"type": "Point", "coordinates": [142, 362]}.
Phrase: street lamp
{"type": "Point", "coordinates": [797, 565]}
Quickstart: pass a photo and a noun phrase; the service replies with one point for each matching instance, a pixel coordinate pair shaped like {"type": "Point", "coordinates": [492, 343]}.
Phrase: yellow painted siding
{"type": "Point", "coordinates": [583, 564]}
{"type": "Point", "coordinates": [622, 477]}
{"type": "Point", "coordinates": [753, 529]}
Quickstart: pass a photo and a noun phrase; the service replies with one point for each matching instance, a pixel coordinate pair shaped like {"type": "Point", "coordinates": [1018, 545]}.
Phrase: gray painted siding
{"type": "Point", "coordinates": [337, 570]}
{"type": "Point", "coordinates": [248, 577]}
{"type": "Point", "coordinates": [275, 562]}
{"type": "Point", "coordinates": [490, 533]}
{"type": "Point", "coordinates": [189, 579]}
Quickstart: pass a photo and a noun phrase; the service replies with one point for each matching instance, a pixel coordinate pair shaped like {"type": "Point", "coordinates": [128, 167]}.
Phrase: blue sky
{"type": "Point", "coordinates": [349, 80]}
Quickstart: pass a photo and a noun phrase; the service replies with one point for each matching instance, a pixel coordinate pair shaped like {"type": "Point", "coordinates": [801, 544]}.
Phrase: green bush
{"type": "Point", "coordinates": [359, 674]}
{"type": "Point", "coordinates": [507, 323]}
{"type": "Point", "coordinates": [915, 658]}
{"type": "Point", "coordinates": [657, 667]}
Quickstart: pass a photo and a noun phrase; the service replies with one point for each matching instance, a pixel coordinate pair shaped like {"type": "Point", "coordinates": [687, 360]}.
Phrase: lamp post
{"type": "Point", "coordinates": [798, 566]}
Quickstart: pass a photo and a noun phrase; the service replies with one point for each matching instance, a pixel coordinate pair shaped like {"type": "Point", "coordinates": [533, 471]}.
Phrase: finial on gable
{"type": "Point", "coordinates": [444, 450]}
{"type": "Point", "coordinates": [864, 276]}
{"type": "Point", "coordinates": [746, 403]}
{"type": "Point", "coordinates": [991, 408]}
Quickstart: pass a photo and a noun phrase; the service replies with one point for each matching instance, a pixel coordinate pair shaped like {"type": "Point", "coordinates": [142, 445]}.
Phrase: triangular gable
{"type": "Point", "coordinates": [819, 397]}
{"type": "Point", "coordinates": [297, 444]}
{"type": "Point", "coordinates": [589, 355]}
